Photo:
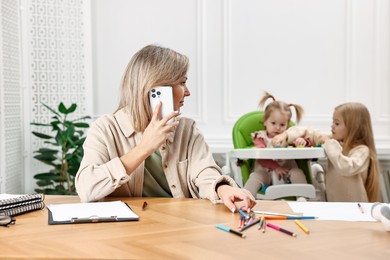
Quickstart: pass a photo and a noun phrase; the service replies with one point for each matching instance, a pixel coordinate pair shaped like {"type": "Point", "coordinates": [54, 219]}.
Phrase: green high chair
{"type": "Point", "coordinates": [242, 129]}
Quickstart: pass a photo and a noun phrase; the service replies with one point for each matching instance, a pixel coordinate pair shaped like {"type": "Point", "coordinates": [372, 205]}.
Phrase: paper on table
{"type": "Point", "coordinates": [65, 212]}
{"type": "Point", "coordinates": [345, 211]}
{"type": "Point", "coordinates": [5, 196]}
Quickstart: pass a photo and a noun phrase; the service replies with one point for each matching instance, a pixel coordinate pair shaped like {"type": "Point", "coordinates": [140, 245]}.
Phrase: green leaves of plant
{"type": "Point", "coordinates": [43, 136]}
{"type": "Point", "coordinates": [65, 152]}
{"type": "Point", "coordinates": [64, 110]}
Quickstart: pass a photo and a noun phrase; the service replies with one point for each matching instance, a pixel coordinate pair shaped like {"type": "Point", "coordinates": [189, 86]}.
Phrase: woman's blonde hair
{"type": "Point", "coordinates": [150, 67]}
{"type": "Point", "coordinates": [281, 106]}
{"type": "Point", "coordinates": [357, 122]}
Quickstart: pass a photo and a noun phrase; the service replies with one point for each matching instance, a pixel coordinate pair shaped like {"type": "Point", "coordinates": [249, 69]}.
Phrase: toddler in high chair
{"type": "Point", "coordinates": [277, 116]}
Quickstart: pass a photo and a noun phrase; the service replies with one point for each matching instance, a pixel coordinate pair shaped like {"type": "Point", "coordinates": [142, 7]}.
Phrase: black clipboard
{"type": "Point", "coordinates": [92, 218]}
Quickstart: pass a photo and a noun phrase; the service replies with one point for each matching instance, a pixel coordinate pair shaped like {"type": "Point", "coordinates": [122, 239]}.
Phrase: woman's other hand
{"type": "Point", "coordinates": [229, 195]}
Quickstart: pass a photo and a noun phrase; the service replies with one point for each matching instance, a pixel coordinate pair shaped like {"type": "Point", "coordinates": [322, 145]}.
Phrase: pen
{"type": "Point", "coordinates": [361, 208]}
{"type": "Point", "coordinates": [281, 230]}
{"type": "Point", "coordinates": [302, 226]}
{"type": "Point", "coordinates": [230, 230]}
{"type": "Point", "coordinates": [144, 205]}
{"type": "Point", "coordinates": [94, 219]}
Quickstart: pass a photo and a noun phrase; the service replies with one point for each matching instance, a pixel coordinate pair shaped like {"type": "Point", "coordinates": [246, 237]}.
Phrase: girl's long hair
{"type": "Point", "coordinates": [357, 121]}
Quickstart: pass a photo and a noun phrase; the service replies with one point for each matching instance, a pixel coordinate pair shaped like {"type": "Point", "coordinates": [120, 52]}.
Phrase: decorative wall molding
{"type": "Point", "coordinates": [200, 115]}
{"type": "Point", "coordinates": [57, 72]}
{"type": "Point", "coordinates": [11, 130]}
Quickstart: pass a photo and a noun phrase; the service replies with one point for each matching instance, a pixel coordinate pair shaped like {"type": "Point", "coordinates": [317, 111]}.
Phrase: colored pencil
{"type": "Point", "coordinates": [274, 217]}
{"type": "Point", "coordinates": [243, 213]}
{"type": "Point", "coordinates": [281, 230]}
{"type": "Point", "coordinates": [264, 225]}
{"type": "Point", "coordinates": [274, 213]}
{"type": "Point", "coordinates": [254, 222]}
{"type": "Point", "coordinates": [302, 226]}
{"type": "Point", "coordinates": [230, 230]}
{"type": "Point", "coordinates": [261, 221]}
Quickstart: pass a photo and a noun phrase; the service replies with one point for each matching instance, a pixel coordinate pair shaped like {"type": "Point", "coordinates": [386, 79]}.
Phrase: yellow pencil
{"type": "Point", "coordinates": [302, 226]}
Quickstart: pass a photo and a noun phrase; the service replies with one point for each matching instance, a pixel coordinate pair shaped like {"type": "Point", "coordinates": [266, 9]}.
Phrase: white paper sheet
{"type": "Point", "coordinates": [345, 211]}
{"type": "Point", "coordinates": [65, 212]}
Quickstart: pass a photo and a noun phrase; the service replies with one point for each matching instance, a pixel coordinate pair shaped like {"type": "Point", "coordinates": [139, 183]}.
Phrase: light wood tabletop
{"type": "Point", "coordinates": [185, 229]}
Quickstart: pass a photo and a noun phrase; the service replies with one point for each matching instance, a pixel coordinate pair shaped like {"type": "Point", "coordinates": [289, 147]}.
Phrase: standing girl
{"type": "Point", "coordinates": [277, 116]}
{"type": "Point", "coordinates": [353, 169]}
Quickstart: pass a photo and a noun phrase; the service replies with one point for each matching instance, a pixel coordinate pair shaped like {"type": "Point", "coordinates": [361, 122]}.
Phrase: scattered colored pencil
{"type": "Point", "coordinates": [281, 230]}
{"type": "Point", "coordinates": [302, 226]}
{"type": "Point", "coordinates": [230, 230]}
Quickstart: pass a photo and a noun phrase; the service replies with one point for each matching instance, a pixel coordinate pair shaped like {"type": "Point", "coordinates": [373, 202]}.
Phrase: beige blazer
{"type": "Point", "coordinates": [187, 162]}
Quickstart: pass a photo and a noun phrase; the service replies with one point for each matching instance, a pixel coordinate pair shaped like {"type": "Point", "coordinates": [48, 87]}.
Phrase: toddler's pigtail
{"type": "Point", "coordinates": [298, 111]}
{"type": "Point", "coordinates": [265, 98]}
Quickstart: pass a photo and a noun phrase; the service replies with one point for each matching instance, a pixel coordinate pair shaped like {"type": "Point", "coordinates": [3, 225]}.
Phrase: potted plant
{"type": "Point", "coordinates": [63, 153]}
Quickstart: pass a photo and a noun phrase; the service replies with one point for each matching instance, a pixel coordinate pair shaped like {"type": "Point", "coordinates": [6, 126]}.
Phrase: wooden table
{"type": "Point", "coordinates": [185, 229]}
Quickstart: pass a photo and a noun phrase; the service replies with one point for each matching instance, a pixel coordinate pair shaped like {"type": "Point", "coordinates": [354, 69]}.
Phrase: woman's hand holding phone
{"type": "Point", "coordinates": [164, 95]}
{"type": "Point", "coordinates": [158, 131]}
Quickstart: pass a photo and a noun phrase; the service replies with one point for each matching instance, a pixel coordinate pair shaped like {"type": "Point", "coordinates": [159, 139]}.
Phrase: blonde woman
{"type": "Point", "coordinates": [133, 153]}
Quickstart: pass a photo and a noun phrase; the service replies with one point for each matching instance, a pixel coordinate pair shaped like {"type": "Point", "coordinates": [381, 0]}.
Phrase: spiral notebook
{"type": "Point", "coordinates": [14, 204]}
{"type": "Point", "coordinates": [92, 212]}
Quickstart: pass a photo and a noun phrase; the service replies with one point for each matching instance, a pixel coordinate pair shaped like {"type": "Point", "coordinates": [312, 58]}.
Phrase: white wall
{"type": "Point", "coordinates": [317, 53]}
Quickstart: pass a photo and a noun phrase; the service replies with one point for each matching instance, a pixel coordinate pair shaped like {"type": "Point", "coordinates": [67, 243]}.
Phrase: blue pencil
{"type": "Point", "coordinates": [243, 213]}
{"type": "Point", "coordinates": [230, 230]}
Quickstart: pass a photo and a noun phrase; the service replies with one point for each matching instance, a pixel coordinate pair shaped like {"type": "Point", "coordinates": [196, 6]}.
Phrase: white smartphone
{"type": "Point", "coordinates": [165, 95]}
